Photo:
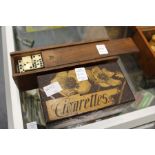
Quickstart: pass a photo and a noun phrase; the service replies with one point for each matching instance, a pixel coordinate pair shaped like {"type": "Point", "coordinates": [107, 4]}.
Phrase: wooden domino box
{"type": "Point", "coordinates": [142, 37]}
{"type": "Point", "coordinates": [56, 58]}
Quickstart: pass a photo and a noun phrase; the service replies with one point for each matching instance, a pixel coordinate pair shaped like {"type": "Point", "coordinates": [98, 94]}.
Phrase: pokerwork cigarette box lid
{"type": "Point", "coordinates": [106, 86]}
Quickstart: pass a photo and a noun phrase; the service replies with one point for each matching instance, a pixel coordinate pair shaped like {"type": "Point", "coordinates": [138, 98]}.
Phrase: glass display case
{"type": "Point", "coordinates": [25, 106]}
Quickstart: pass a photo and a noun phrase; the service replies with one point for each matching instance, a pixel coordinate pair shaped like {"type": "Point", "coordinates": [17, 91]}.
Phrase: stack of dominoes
{"type": "Point", "coordinates": [28, 63]}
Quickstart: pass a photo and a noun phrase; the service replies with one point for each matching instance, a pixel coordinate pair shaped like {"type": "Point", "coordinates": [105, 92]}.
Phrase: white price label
{"type": "Point", "coordinates": [52, 89]}
{"type": "Point", "coordinates": [32, 125]}
{"type": "Point", "coordinates": [102, 49]}
{"type": "Point", "coordinates": [81, 74]}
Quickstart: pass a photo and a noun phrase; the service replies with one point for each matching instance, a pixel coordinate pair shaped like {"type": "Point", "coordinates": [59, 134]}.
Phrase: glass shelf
{"type": "Point", "coordinates": [30, 37]}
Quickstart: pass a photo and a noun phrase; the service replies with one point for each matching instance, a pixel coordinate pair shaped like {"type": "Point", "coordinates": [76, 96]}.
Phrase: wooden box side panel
{"type": "Point", "coordinates": [146, 57]}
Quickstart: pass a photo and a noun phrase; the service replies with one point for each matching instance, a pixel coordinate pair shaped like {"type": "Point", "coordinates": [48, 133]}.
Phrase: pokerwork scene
{"type": "Point", "coordinates": [77, 77]}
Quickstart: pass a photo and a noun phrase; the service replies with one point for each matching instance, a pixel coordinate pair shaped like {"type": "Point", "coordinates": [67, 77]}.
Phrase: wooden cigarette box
{"type": "Point", "coordinates": [106, 86]}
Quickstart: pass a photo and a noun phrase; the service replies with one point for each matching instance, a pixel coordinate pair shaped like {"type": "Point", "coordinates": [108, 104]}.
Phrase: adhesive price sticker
{"type": "Point", "coordinates": [81, 74]}
{"type": "Point", "coordinates": [52, 89]}
{"type": "Point", "coordinates": [102, 49]}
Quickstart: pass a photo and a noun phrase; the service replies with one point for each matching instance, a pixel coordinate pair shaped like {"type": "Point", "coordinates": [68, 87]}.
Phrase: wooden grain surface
{"type": "Point", "coordinates": [77, 53]}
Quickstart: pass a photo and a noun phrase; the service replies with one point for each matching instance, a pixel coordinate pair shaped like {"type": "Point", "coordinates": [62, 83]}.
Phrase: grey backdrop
{"type": "Point", "coordinates": [3, 111]}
